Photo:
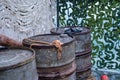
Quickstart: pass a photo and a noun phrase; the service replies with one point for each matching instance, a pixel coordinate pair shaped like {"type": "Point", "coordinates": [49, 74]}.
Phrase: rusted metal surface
{"type": "Point", "coordinates": [83, 61]}
{"type": "Point", "coordinates": [58, 73]}
{"type": "Point", "coordinates": [82, 38]}
{"type": "Point", "coordinates": [48, 38]}
{"type": "Point", "coordinates": [84, 75]}
{"type": "Point", "coordinates": [91, 77]}
{"type": "Point", "coordinates": [61, 30]}
{"type": "Point", "coordinates": [69, 77]}
{"type": "Point", "coordinates": [46, 56]}
{"type": "Point", "coordinates": [9, 42]}
{"type": "Point", "coordinates": [82, 47]}
{"type": "Point", "coordinates": [17, 64]}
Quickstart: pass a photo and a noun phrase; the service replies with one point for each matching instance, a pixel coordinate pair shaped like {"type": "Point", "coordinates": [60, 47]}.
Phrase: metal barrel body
{"type": "Point", "coordinates": [48, 65]}
{"type": "Point", "coordinates": [82, 49]}
{"type": "Point", "coordinates": [17, 64]}
{"type": "Point", "coordinates": [84, 65]}
{"type": "Point", "coordinates": [83, 53]}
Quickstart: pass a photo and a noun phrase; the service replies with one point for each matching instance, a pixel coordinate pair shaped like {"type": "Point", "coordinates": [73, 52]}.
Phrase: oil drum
{"type": "Point", "coordinates": [82, 47]}
{"type": "Point", "coordinates": [55, 56]}
{"type": "Point", "coordinates": [17, 64]}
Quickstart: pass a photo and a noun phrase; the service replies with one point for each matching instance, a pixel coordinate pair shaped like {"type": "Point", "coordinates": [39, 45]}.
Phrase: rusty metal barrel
{"type": "Point", "coordinates": [82, 48]}
{"type": "Point", "coordinates": [52, 64]}
{"type": "Point", "coordinates": [17, 64]}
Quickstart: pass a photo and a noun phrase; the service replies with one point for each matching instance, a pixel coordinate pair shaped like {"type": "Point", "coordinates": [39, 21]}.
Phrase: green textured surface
{"type": "Point", "coordinates": [103, 17]}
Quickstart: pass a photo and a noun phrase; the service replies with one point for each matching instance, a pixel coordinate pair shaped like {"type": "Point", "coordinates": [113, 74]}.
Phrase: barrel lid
{"type": "Point", "coordinates": [49, 38]}
{"type": "Point", "coordinates": [74, 30]}
{"type": "Point", "coordinates": [11, 58]}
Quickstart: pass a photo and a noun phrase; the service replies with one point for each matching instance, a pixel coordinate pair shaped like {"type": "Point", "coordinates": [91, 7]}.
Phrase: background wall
{"type": "Point", "coordinates": [103, 17]}
{"type": "Point", "coordinates": [23, 18]}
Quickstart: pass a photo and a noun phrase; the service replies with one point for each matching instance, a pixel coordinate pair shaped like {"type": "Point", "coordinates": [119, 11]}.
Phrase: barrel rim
{"type": "Point", "coordinates": [85, 69]}
{"type": "Point", "coordinates": [78, 33]}
{"type": "Point", "coordinates": [83, 53]}
{"type": "Point", "coordinates": [26, 43]}
{"type": "Point", "coordinates": [61, 73]}
{"type": "Point", "coordinates": [85, 74]}
{"type": "Point", "coordinates": [28, 60]}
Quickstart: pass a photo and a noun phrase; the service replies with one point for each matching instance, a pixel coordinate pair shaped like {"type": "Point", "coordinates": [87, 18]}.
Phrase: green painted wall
{"type": "Point", "coordinates": [103, 17]}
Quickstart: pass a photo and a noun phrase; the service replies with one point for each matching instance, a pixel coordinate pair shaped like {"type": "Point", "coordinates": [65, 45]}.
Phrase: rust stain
{"type": "Point", "coordinates": [8, 42]}
{"type": "Point", "coordinates": [57, 72]}
{"type": "Point", "coordinates": [56, 43]}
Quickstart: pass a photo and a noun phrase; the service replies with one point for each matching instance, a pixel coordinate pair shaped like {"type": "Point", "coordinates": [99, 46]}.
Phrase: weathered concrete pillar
{"type": "Point", "coordinates": [23, 18]}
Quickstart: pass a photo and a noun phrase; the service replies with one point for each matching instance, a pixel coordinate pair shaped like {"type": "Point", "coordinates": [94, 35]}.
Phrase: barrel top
{"type": "Point", "coordinates": [79, 30]}
{"type": "Point", "coordinates": [49, 38]}
{"type": "Point", "coordinates": [11, 58]}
